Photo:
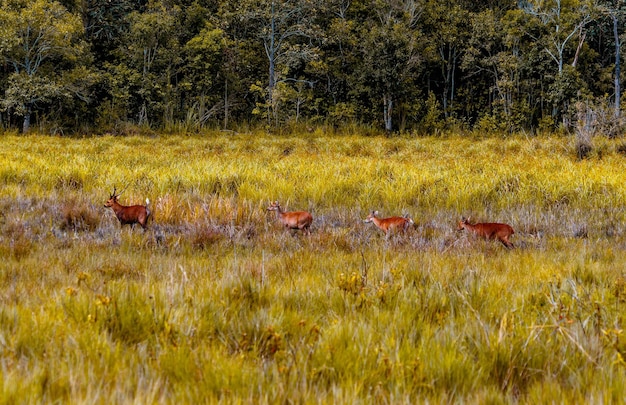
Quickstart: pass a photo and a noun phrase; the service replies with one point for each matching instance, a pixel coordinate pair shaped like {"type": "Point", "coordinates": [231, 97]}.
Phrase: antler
{"type": "Point", "coordinates": [120, 193]}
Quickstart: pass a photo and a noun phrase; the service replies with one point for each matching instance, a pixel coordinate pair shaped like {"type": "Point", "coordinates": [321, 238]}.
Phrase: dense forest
{"type": "Point", "coordinates": [420, 66]}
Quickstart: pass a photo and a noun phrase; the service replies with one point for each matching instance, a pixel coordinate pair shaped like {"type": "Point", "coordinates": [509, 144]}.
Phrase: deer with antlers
{"type": "Point", "coordinates": [131, 215]}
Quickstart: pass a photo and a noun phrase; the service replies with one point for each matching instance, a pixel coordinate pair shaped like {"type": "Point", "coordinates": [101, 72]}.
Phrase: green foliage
{"type": "Point", "coordinates": [24, 90]}
{"type": "Point", "coordinates": [126, 67]}
{"type": "Point", "coordinates": [204, 51]}
{"type": "Point", "coordinates": [37, 36]}
{"type": "Point", "coordinates": [432, 122]}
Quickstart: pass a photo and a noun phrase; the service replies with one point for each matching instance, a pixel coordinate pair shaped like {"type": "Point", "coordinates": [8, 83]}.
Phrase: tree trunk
{"type": "Point", "coordinates": [271, 55]}
{"type": "Point", "coordinates": [387, 111]}
{"type": "Point", "coordinates": [272, 116]}
{"type": "Point", "coordinates": [448, 88]}
{"type": "Point", "coordinates": [26, 124]}
{"type": "Point", "coordinates": [581, 42]}
{"type": "Point", "coordinates": [225, 104]}
{"type": "Point", "coordinates": [617, 67]}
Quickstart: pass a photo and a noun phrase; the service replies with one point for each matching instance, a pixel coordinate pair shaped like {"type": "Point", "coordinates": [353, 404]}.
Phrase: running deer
{"type": "Point", "coordinates": [292, 219]}
{"type": "Point", "coordinates": [134, 214]}
{"type": "Point", "coordinates": [390, 224]}
{"type": "Point", "coordinates": [489, 231]}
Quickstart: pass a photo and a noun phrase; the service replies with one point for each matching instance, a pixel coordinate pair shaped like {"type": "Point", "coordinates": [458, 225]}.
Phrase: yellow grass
{"type": "Point", "coordinates": [215, 302]}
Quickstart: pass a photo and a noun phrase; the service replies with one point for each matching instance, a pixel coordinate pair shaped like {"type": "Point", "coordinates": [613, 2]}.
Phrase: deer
{"type": "Point", "coordinates": [391, 224]}
{"type": "Point", "coordinates": [489, 231]}
{"type": "Point", "coordinates": [131, 215]}
{"type": "Point", "coordinates": [298, 220]}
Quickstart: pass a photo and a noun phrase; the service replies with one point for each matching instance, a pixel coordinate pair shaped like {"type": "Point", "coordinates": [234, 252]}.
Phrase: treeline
{"type": "Point", "coordinates": [425, 66]}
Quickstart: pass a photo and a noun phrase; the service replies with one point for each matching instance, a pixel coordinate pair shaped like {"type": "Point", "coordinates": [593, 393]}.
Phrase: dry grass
{"type": "Point", "coordinates": [217, 303]}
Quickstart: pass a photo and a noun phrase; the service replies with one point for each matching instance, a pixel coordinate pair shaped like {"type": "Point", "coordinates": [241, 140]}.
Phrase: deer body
{"type": "Point", "coordinates": [131, 215]}
{"type": "Point", "coordinates": [292, 219]}
{"type": "Point", "coordinates": [489, 231]}
{"type": "Point", "coordinates": [390, 224]}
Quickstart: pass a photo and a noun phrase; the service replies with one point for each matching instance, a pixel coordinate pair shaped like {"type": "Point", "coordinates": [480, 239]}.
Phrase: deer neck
{"type": "Point", "coordinates": [377, 221]}
{"type": "Point", "coordinates": [117, 207]}
{"type": "Point", "coordinates": [280, 214]}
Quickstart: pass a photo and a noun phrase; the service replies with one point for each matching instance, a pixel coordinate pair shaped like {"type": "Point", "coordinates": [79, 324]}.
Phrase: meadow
{"type": "Point", "coordinates": [216, 303]}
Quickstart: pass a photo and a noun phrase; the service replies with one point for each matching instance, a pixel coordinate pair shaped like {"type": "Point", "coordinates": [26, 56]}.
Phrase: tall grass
{"type": "Point", "coordinates": [216, 302]}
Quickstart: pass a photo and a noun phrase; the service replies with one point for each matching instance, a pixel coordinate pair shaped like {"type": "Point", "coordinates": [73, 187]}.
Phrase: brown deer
{"type": "Point", "coordinates": [390, 224]}
{"type": "Point", "coordinates": [131, 215]}
{"type": "Point", "coordinates": [293, 219]}
{"type": "Point", "coordinates": [489, 231]}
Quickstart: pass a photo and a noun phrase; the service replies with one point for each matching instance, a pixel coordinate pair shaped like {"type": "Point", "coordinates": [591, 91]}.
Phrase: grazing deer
{"type": "Point", "coordinates": [390, 224]}
{"type": "Point", "coordinates": [294, 219]}
{"type": "Point", "coordinates": [489, 231]}
{"type": "Point", "coordinates": [134, 214]}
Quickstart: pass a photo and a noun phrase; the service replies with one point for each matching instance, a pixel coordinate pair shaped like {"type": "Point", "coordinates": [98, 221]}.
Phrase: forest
{"type": "Point", "coordinates": [413, 66]}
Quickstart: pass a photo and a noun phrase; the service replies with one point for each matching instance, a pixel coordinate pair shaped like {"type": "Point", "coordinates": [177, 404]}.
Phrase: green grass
{"type": "Point", "coordinates": [217, 303]}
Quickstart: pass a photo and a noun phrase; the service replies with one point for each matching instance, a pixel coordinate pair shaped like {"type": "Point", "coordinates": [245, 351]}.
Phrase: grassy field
{"type": "Point", "coordinates": [217, 303]}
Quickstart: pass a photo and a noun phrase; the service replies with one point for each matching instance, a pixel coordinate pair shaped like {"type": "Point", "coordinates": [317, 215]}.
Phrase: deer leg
{"type": "Point", "coordinates": [505, 242]}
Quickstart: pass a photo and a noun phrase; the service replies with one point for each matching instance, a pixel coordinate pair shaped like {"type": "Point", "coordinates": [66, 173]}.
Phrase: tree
{"type": "Point", "coordinates": [38, 39]}
{"type": "Point", "coordinates": [616, 10]}
{"type": "Point", "coordinates": [618, 91]}
{"type": "Point", "coordinates": [105, 22]}
{"type": "Point", "coordinates": [493, 62]}
{"type": "Point", "coordinates": [563, 20]}
{"type": "Point", "coordinates": [448, 34]}
{"type": "Point", "coordinates": [287, 31]}
{"type": "Point", "coordinates": [338, 60]}
{"type": "Point", "coordinates": [150, 54]}
{"type": "Point", "coordinates": [560, 22]}
{"type": "Point", "coordinates": [389, 47]}
{"type": "Point", "coordinates": [202, 68]}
